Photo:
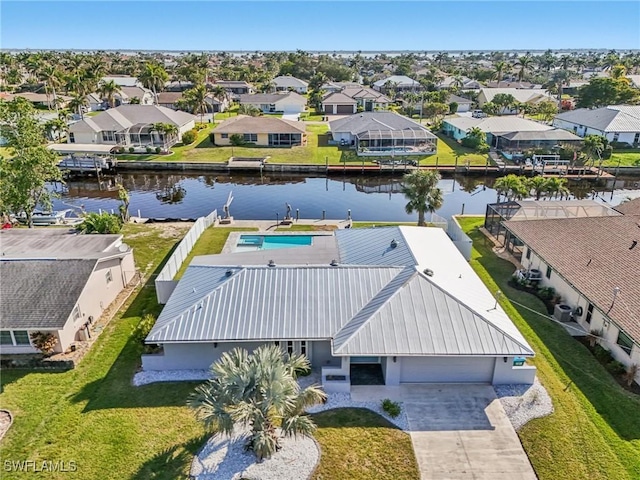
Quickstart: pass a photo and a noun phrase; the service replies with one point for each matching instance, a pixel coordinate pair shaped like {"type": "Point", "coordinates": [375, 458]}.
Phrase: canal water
{"type": "Point", "coordinates": [185, 195]}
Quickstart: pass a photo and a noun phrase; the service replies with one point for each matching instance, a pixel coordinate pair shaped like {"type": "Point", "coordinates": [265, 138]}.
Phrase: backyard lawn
{"type": "Point", "coordinates": [627, 158]}
{"type": "Point", "coordinates": [594, 432]}
{"type": "Point", "coordinates": [93, 416]}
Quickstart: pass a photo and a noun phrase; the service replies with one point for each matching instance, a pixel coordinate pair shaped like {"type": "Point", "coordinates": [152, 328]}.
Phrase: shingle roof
{"type": "Point", "coordinates": [53, 243]}
{"type": "Point", "coordinates": [630, 207]}
{"type": "Point", "coordinates": [289, 81]}
{"type": "Point", "coordinates": [268, 98]}
{"type": "Point", "coordinates": [246, 124]}
{"type": "Point", "coordinates": [126, 116]}
{"type": "Point", "coordinates": [594, 255]}
{"type": "Point", "coordinates": [399, 80]}
{"type": "Point", "coordinates": [365, 121]}
{"type": "Point", "coordinates": [41, 293]}
{"type": "Point", "coordinates": [614, 118]}
{"type": "Point", "coordinates": [366, 93]}
{"type": "Point", "coordinates": [338, 98]}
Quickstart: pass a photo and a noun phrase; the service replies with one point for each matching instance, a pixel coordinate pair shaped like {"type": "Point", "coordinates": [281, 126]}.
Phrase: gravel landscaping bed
{"type": "Point", "coordinates": [225, 458]}
{"type": "Point", "coordinates": [523, 403]}
{"type": "Point", "coordinates": [144, 378]}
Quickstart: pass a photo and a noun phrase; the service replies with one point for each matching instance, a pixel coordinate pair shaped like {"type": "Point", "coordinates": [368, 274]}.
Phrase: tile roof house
{"type": "Point", "coordinates": [593, 264]}
{"type": "Point", "coordinates": [285, 83]}
{"type": "Point", "coordinates": [130, 125]}
{"type": "Point", "coordinates": [630, 207]}
{"type": "Point", "coordinates": [59, 282]}
{"type": "Point", "coordinates": [127, 94]}
{"type": "Point", "coordinates": [41, 99]}
{"type": "Point", "coordinates": [531, 96]}
{"type": "Point", "coordinates": [383, 134]}
{"type": "Point", "coordinates": [289, 102]}
{"type": "Point", "coordinates": [618, 123]}
{"type": "Point", "coordinates": [261, 131]}
{"type": "Point", "coordinates": [401, 300]}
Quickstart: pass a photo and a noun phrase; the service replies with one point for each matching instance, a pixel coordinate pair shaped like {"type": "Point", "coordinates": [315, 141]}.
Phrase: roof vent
{"type": "Point", "coordinates": [228, 273]}
{"type": "Point", "coordinates": [428, 272]}
{"type": "Point", "coordinates": [394, 243]}
{"type": "Point", "coordinates": [334, 263]}
{"type": "Point", "coordinates": [271, 263]}
{"type": "Point", "coordinates": [633, 244]}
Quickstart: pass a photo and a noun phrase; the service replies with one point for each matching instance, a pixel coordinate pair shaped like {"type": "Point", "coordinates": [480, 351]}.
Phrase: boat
{"type": "Point", "coordinates": [56, 217]}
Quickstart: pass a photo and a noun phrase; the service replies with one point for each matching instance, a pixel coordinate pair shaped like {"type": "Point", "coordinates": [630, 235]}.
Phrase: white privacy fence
{"type": "Point", "coordinates": [165, 283]}
{"type": "Point", "coordinates": [440, 222]}
{"type": "Point", "coordinates": [460, 239]}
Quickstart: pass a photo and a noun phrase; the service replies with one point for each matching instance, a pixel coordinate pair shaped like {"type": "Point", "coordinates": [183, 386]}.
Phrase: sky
{"type": "Point", "coordinates": [319, 25]}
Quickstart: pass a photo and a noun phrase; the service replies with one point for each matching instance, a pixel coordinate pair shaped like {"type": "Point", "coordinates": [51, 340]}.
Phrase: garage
{"type": "Point", "coordinates": [344, 109]}
{"type": "Point", "coordinates": [446, 369]}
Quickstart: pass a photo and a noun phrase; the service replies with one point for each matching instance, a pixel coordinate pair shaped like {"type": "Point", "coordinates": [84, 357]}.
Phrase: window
{"type": "Point", "coordinates": [589, 313]}
{"type": "Point", "coordinates": [625, 342]}
{"type": "Point", "coordinates": [5, 338]}
{"type": "Point", "coordinates": [636, 138]}
{"type": "Point", "coordinates": [250, 137]}
{"type": "Point", "coordinates": [21, 337]}
{"type": "Point", "coordinates": [107, 136]}
{"type": "Point", "coordinates": [72, 138]}
{"type": "Point", "coordinates": [290, 347]}
{"type": "Point", "coordinates": [548, 271]}
{"type": "Point", "coordinates": [75, 314]}
{"type": "Point", "coordinates": [303, 347]}
{"type": "Point", "coordinates": [528, 253]}
{"type": "Point", "coordinates": [224, 135]}
{"type": "Point", "coordinates": [616, 136]}
{"type": "Point", "coordinates": [109, 277]}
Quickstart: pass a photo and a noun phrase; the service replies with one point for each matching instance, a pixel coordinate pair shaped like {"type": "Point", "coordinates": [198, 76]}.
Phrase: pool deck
{"type": "Point", "coordinates": [232, 242]}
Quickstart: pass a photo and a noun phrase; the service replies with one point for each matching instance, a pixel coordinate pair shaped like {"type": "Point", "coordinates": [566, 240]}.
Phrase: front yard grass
{"type": "Point", "coordinates": [358, 444]}
{"type": "Point", "coordinates": [594, 432]}
{"type": "Point", "coordinates": [627, 158]}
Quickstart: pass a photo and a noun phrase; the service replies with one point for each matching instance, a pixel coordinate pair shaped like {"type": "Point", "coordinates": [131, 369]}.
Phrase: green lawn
{"type": "Point", "coordinates": [594, 432]}
{"type": "Point", "coordinates": [449, 150]}
{"type": "Point", "coordinates": [358, 444]}
{"type": "Point", "coordinates": [627, 158]}
{"type": "Point", "coordinates": [211, 241]}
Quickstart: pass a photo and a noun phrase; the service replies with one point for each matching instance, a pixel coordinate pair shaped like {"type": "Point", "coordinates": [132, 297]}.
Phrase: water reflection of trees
{"type": "Point", "coordinates": [172, 194]}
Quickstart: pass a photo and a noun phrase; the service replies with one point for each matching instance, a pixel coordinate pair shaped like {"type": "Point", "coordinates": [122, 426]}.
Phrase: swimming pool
{"type": "Point", "coordinates": [247, 243]}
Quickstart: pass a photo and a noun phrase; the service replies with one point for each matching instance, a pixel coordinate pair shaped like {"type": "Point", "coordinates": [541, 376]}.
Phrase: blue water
{"type": "Point", "coordinates": [272, 242]}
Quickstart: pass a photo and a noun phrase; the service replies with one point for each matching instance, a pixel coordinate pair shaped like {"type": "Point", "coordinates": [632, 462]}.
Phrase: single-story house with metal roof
{"type": "Point", "coordinates": [383, 134]}
{"type": "Point", "coordinates": [618, 123]}
{"type": "Point", "coordinates": [398, 304]}
{"type": "Point", "coordinates": [289, 102]}
{"type": "Point", "coordinates": [131, 125]}
{"type": "Point", "coordinates": [593, 264]}
{"type": "Point", "coordinates": [285, 83]}
{"type": "Point", "coordinates": [57, 282]}
{"type": "Point", "coordinates": [262, 131]}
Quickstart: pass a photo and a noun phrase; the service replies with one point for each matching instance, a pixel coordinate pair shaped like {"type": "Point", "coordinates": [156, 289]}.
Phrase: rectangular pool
{"type": "Point", "coordinates": [247, 243]}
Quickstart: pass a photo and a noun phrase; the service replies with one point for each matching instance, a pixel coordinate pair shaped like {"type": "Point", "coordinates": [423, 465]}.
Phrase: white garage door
{"type": "Point", "coordinates": [446, 370]}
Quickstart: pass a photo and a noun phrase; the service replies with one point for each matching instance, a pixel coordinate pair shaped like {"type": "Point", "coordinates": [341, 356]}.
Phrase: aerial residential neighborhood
{"type": "Point", "coordinates": [259, 247]}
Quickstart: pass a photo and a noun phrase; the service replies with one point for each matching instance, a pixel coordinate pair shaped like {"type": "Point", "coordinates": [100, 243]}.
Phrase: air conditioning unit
{"type": "Point", "coordinates": [562, 312]}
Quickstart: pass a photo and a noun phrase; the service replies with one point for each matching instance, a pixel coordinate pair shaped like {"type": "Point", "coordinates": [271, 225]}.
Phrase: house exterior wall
{"type": "Point", "coordinates": [599, 320]}
{"type": "Point", "coordinates": [332, 108]}
{"type": "Point", "coordinates": [583, 131]}
{"type": "Point", "coordinates": [185, 128]}
{"type": "Point", "coordinates": [300, 90]}
{"type": "Point", "coordinates": [339, 136]}
{"type": "Point", "coordinates": [453, 131]}
{"type": "Point", "coordinates": [463, 107]}
{"type": "Point", "coordinates": [504, 373]}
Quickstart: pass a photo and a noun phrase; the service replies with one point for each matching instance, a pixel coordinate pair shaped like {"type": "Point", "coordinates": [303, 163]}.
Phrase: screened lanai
{"type": "Point", "coordinates": [145, 134]}
{"type": "Point", "coordinates": [396, 142]}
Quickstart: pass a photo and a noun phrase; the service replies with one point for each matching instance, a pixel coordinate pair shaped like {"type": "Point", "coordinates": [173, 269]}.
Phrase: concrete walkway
{"type": "Point", "coordinates": [459, 432]}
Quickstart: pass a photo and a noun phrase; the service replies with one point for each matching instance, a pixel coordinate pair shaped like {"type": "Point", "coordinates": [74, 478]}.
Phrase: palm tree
{"type": "Point", "coordinates": [167, 132]}
{"type": "Point", "coordinates": [51, 76]}
{"type": "Point", "coordinates": [153, 77]}
{"type": "Point", "coordinates": [593, 147]}
{"type": "Point", "coordinates": [196, 98]}
{"type": "Point", "coordinates": [108, 91]}
{"type": "Point", "coordinates": [257, 391]}
{"type": "Point", "coordinates": [511, 186]}
{"type": "Point", "coordinates": [421, 190]}
{"type": "Point", "coordinates": [524, 63]}
{"type": "Point", "coordinates": [538, 185]}
{"type": "Point", "coordinates": [77, 104]}
{"type": "Point", "coordinates": [557, 187]}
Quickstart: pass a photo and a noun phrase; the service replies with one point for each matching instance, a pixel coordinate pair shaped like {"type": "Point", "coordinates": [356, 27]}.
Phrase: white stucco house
{"type": "Point", "coordinates": [289, 102]}
{"type": "Point", "coordinates": [401, 303]}
{"type": "Point", "coordinates": [618, 123]}
{"type": "Point", "coordinates": [57, 282]}
{"type": "Point", "coordinates": [285, 83]}
{"type": "Point", "coordinates": [130, 125]}
{"type": "Point", "coordinates": [593, 264]}
{"type": "Point", "coordinates": [399, 83]}
{"type": "Point", "coordinates": [531, 96]}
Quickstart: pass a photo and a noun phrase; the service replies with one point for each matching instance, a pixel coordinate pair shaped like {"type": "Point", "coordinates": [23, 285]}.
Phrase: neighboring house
{"type": "Point", "coordinates": [450, 82]}
{"type": "Point", "coordinates": [285, 83]}
{"type": "Point", "coordinates": [401, 304]}
{"type": "Point", "coordinates": [94, 102]}
{"type": "Point", "coordinates": [399, 83]}
{"type": "Point", "coordinates": [171, 99]}
{"type": "Point", "coordinates": [629, 207]}
{"type": "Point", "coordinates": [464, 104]}
{"type": "Point", "coordinates": [635, 80]}
{"type": "Point", "coordinates": [367, 98]}
{"type": "Point", "coordinates": [289, 102]}
{"type": "Point", "coordinates": [531, 96]}
{"type": "Point", "coordinates": [177, 86]}
{"type": "Point", "coordinates": [383, 134]}
{"type": "Point", "coordinates": [512, 84]}
{"type": "Point", "coordinates": [618, 123]}
{"type": "Point", "coordinates": [235, 87]}
{"type": "Point", "coordinates": [331, 87]}
{"type": "Point", "coordinates": [122, 80]}
{"type": "Point", "coordinates": [337, 103]}
{"type": "Point", "coordinates": [59, 282]}
{"type": "Point", "coordinates": [127, 94]}
{"type": "Point", "coordinates": [510, 133]}
{"type": "Point", "coordinates": [262, 131]}
{"type": "Point", "coordinates": [40, 99]}
{"type": "Point", "coordinates": [593, 264]}
{"type": "Point", "coordinates": [130, 125]}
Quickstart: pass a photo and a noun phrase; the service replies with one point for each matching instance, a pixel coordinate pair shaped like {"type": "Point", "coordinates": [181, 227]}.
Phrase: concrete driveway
{"type": "Point", "coordinates": [461, 432]}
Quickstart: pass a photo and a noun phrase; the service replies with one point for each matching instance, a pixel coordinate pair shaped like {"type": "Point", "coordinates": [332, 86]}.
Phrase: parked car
{"type": "Point", "coordinates": [478, 114]}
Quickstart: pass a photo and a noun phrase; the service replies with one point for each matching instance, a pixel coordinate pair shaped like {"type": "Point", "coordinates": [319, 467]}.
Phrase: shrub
{"type": "Point", "coordinates": [602, 354]}
{"type": "Point", "coordinates": [546, 293]}
{"type": "Point", "coordinates": [158, 150]}
{"type": "Point", "coordinates": [391, 408]}
{"type": "Point", "coordinates": [141, 331]}
{"type": "Point", "coordinates": [236, 140]}
{"type": "Point", "coordinates": [101, 223]}
{"type": "Point", "coordinates": [132, 150]}
{"type": "Point", "coordinates": [44, 341]}
{"type": "Point", "coordinates": [616, 368]}
{"type": "Point", "coordinates": [630, 374]}
{"type": "Point", "coordinates": [619, 145]}
{"type": "Point", "coordinates": [149, 149]}
{"type": "Point", "coordinates": [453, 107]}
{"type": "Point", "coordinates": [189, 137]}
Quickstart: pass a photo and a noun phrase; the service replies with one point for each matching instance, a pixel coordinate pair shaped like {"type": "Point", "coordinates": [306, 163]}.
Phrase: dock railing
{"type": "Point", "coordinates": [165, 281]}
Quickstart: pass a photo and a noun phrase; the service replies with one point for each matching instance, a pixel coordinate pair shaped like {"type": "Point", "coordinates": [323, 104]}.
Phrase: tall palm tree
{"type": "Point", "coordinates": [511, 186]}
{"type": "Point", "coordinates": [196, 98]}
{"type": "Point", "coordinates": [422, 193]}
{"type": "Point", "coordinates": [153, 76]}
{"type": "Point", "coordinates": [499, 69]}
{"type": "Point", "coordinates": [524, 63]}
{"type": "Point", "coordinates": [258, 391]}
{"type": "Point", "coordinates": [538, 185]}
{"type": "Point", "coordinates": [77, 104]}
{"type": "Point", "coordinates": [557, 187]}
{"type": "Point", "coordinates": [51, 77]}
{"type": "Point", "coordinates": [593, 147]}
{"type": "Point", "coordinates": [108, 91]}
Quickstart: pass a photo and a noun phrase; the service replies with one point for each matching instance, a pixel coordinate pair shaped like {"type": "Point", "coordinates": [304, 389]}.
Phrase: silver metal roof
{"type": "Point", "coordinates": [372, 246]}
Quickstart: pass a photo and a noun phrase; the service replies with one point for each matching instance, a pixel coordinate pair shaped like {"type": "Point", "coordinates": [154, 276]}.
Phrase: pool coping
{"type": "Point", "coordinates": [232, 240]}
